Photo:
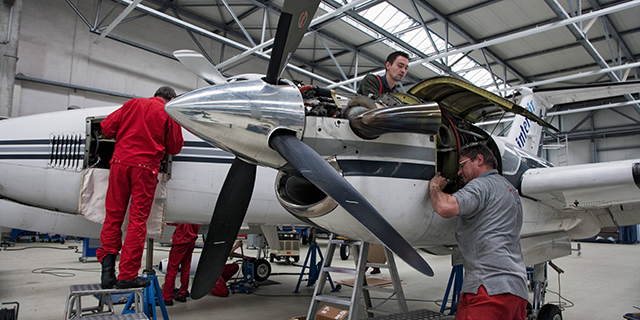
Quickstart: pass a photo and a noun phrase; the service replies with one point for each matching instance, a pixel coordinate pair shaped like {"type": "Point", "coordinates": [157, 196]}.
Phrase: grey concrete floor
{"type": "Point", "coordinates": [602, 283]}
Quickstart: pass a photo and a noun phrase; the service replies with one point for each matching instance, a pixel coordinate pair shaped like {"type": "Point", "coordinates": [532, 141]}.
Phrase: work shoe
{"type": "Point", "coordinates": [108, 280]}
{"type": "Point", "coordinates": [168, 303]}
{"type": "Point", "coordinates": [375, 271]}
{"type": "Point", "coordinates": [138, 282]}
{"type": "Point", "coordinates": [180, 298]}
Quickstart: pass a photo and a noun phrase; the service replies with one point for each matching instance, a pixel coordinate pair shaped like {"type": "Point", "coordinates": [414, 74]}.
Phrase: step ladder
{"type": "Point", "coordinates": [104, 310]}
{"type": "Point", "coordinates": [360, 287]}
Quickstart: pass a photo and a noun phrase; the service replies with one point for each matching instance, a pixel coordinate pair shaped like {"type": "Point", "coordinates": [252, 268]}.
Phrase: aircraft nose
{"type": "Point", "coordinates": [239, 117]}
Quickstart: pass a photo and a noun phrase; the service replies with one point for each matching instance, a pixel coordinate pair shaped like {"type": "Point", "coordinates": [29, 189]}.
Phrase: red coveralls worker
{"type": "Point", "coordinates": [221, 289]}
{"type": "Point", "coordinates": [182, 244]}
{"type": "Point", "coordinates": [144, 132]}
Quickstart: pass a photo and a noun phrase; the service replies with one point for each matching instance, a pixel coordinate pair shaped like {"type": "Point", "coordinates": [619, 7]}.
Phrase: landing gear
{"type": "Point", "coordinates": [549, 312]}
{"type": "Point", "coordinates": [345, 250]}
{"type": "Point", "coordinates": [538, 284]}
{"type": "Point", "coordinates": [261, 270]}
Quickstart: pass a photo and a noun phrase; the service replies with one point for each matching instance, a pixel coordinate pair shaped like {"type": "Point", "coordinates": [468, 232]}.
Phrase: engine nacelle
{"type": "Point", "coordinates": [302, 198]}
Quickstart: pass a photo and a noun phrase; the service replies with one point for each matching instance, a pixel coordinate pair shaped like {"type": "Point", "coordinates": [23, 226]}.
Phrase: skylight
{"type": "Point", "coordinates": [407, 29]}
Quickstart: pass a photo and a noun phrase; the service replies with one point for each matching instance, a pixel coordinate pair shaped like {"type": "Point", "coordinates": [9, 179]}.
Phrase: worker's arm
{"type": "Point", "coordinates": [111, 123]}
{"type": "Point", "coordinates": [443, 204]}
{"type": "Point", "coordinates": [173, 137]}
{"type": "Point", "coordinates": [236, 246]}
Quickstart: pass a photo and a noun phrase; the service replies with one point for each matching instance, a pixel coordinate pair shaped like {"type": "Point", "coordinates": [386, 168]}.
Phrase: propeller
{"type": "Point", "coordinates": [237, 189]}
{"type": "Point", "coordinates": [313, 167]}
{"type": "Point", "coordinates": [199, 65]}
{"type": "Point", "coordinates": [226, 221]}
{"type": "Point", "coordinates": [294, 21]}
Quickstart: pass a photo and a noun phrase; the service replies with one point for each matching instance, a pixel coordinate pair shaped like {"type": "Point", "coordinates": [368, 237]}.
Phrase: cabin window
{"type": "Point", "coordinates": [510, 161]}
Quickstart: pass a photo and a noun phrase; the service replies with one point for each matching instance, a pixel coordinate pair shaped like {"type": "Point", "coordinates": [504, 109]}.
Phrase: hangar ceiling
{"type": "Point", "coordinates": [494, 44]}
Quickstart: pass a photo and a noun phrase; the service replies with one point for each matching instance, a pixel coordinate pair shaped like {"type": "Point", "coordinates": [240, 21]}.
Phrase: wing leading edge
{"type": "Point", "coordinates": [587, 186]}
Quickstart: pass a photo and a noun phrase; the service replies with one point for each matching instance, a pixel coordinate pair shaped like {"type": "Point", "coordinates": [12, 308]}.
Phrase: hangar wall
{"type": "Point", "coordinates": [9, 27]}
{"type": "Point", "coordinates": [604, 149]}
{"type": "Point", "coordinates": [56, 45]}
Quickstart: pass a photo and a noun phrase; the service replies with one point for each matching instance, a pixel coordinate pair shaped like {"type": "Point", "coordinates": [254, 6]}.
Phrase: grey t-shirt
{"type": "Point", "coordinates": [488, 234]}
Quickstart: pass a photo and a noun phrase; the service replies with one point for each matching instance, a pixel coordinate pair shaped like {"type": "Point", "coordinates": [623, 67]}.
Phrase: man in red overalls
{"type": "Point", "coordinates": [221, 289]}
{"type": "Point", "coordinates": [182, 244]}
{"type": "Point", "coordinates": [144, 132]}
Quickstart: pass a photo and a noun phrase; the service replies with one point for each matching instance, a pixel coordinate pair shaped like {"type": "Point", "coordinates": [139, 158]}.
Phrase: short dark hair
{"type": "Point", "coordinates": [166, 93]}
{"type": "Point", "coordinates": [392, 57]}
{"type": "Point", "coordinates": [474, 149]}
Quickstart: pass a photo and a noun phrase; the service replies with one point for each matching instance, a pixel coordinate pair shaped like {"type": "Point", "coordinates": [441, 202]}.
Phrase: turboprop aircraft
{"type": "Point", "coordinates": [360, 167]}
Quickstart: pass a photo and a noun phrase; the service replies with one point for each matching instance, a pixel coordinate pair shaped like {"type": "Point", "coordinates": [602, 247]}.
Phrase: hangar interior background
{"type": "Point", "coordinates": [57, 54]}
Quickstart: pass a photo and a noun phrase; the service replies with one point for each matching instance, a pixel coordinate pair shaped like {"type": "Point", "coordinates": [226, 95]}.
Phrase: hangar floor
{"type": "Point", "coordinates": [600, 284]}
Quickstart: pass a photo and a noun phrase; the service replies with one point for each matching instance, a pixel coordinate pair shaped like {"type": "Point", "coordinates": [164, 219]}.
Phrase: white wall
{"type": "Point", "coordinates": [56, 45]}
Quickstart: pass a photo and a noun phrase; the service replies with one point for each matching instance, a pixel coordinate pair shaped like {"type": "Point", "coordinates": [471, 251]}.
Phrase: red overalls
{"type": "Point", "coordinates": [182, 245]}
{"type": "Point", "coordinates": [144, 132]}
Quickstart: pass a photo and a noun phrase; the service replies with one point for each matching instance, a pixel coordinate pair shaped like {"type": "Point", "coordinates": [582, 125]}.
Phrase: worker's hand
{"type": "Point", "coordinates": [437, 182]}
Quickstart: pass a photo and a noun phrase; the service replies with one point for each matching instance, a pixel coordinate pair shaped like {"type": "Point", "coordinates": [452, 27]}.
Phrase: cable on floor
{"type": "Point", "coordinates": [62, 272]}
{"type": "Point", "coordinates": [42, 247]}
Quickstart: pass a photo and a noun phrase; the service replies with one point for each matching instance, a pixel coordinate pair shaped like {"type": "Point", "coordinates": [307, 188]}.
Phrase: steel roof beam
{"type": "Point", "coordinates": [224, 40]}
{"type": "Point", "coordinates": [117, 20]}
{"type": "Point", "coordinates": [392, 37]}
{"type": "Point", "coordinates": [588, 46]}
{"type": "Point", "coordinates": [614, 32]}
{"type": "Point", "coordinates": [581, 38]}
{"type": "Point", "coordinates": [463, 33]}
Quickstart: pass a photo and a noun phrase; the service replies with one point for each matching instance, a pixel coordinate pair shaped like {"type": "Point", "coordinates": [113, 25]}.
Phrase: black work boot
{"type": "Point", "coordinates": [138, 282]}
{"type": "Point", "coordinates": [108, 271]}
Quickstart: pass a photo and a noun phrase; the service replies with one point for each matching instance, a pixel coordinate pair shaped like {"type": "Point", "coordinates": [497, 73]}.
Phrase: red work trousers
{"type": "Point", "coordinates": [179, 260]}
{"type": "Point", "coordinates": [228, 271]}
{"type": "Point", "coordinates": [126, 182]}
{"type": "Point", "coordinates": [482, 306]}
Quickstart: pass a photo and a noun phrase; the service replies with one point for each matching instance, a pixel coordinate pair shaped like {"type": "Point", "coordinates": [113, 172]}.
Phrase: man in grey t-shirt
{"type": "Point", "coordinates": [488, 233]}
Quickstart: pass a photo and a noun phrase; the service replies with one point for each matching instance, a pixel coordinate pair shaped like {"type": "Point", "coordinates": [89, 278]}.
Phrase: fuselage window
{"type": "Point", "coordinates": [510, 161]}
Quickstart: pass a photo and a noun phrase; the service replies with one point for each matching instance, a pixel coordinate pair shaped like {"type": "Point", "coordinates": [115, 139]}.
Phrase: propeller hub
{"type": "Point", "coordinates": [240, 117]}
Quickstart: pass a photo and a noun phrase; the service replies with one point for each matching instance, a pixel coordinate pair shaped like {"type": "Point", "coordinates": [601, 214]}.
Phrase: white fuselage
{"type": "Point", "coordinates": [29, 175]}
{"type": "Point", "coordinates": [392, 172]}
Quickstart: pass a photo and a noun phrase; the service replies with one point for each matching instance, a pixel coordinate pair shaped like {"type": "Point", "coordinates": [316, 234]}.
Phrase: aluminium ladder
{"type": "Point", "coordinates": [104, 310]}
{"type": "Point", "coordinates": [360, 287]}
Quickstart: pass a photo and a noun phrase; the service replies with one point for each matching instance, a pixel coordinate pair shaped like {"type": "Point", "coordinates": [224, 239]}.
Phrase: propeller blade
{"type": "Point", "coordinates": [199, 65]}
{"type": "Point", "coordinates": [226, 221]}
{"type": "Point", "coordinates": [293, 23]}
{"type": "Point", "coordinates": [313, 167]}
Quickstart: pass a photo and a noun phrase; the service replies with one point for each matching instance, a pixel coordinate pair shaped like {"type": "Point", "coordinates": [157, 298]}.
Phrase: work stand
{"type": "Point", "coordinates": [455, 278]}
{"type": "Point", "coordinates": [248, 281]}
{"type": "Point", "coordinates": [314, 266]}
{"type": "Point", "coordinates": [152, 295]}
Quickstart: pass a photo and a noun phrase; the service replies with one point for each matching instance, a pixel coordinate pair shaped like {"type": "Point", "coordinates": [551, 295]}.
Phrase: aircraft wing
{"type": "Point", "coordinates": [613, 185]}
{"type": "Point", "coordinates": [587, 92]}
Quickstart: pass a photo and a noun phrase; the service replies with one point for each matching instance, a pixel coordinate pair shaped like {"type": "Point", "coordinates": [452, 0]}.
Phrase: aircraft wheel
{"type": "Point", "coordinates": [549, 312]}
{"type": "Point", "coordinates": [261, 270]}
{"type": "Point", "coordinates": [345, 250]}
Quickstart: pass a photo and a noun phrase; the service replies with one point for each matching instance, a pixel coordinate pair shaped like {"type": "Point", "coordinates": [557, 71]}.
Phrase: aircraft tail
{"type": "Point", "coordinates": [525, 133]}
